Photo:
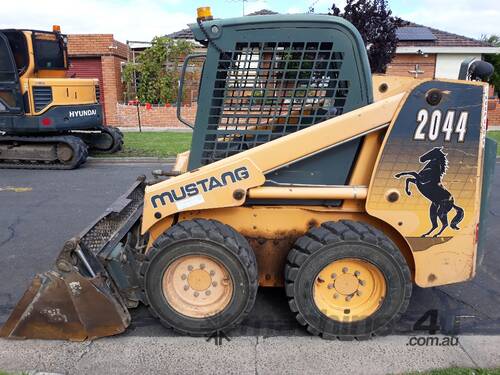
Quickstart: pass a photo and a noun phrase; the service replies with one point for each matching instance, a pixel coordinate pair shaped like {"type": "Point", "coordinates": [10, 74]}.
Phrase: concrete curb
{"type": "Point", "coordinates": [244, 355]}
{"type": "Point", "coordinates": [137, 160]}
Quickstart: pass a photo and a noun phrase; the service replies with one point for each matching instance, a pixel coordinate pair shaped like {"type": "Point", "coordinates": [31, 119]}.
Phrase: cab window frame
{"type": "Point", "coordinates": [24, 51]}
{"type": "Point", "coordinates": [58, 39]}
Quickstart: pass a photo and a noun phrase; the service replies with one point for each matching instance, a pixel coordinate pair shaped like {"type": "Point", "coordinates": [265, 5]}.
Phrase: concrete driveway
{"type": "Point", "coordinates": [41, 209]}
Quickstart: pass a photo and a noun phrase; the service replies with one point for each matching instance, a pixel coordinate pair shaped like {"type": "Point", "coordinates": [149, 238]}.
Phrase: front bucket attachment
{"type": "Point", "coordinates": [68, 307]}
{"type": "Point", "coordinates": [79, 298]}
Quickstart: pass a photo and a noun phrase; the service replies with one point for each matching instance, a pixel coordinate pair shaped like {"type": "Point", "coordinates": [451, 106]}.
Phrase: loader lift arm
{"type": "Point", "coordinates": [268, 157]}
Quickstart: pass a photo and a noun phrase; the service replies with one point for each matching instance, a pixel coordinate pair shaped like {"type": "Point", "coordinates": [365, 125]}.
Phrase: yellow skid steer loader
{"type": "Point", "coordinates": [304, 172]}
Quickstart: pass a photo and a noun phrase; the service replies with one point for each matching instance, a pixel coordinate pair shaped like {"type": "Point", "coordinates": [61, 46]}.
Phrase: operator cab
{"type": "Point", "coordinates": [50, 60]}
{"type": "Point", "coordinates": [10, 91]}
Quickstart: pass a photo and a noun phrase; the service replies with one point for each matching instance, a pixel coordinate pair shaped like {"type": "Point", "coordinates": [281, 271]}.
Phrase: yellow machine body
{"type": "Point", "coordinates": [65, 90]}
{"type": "Point", "coordinates": [299, 176]}
{"type": "Point", "coordinates": [271, 230]}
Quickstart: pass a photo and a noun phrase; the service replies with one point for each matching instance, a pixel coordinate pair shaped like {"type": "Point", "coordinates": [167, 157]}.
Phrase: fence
{"type": "Point", "coordinates": [155, 116]}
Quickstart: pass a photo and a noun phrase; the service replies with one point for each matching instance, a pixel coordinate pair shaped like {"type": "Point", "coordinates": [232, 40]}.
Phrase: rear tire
{"type": "Point", "coordinates": [324, 297]}
{"type": "Point", "coordinates": [175, 283]}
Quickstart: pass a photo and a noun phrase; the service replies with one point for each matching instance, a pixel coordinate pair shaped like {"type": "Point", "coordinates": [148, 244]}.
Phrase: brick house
{"type": "Point", "coordinates": [427, 52]}
{"type": "Point", "coordinates": [100, 56]}
{"type": "Point", "coordinates": [422, 52]}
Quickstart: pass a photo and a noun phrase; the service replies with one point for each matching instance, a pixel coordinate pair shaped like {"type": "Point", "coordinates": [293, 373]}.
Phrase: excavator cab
{"type": "Point", "coordinates": [49, 121]}
{"type": "Point", "coordinates": [11, 65]}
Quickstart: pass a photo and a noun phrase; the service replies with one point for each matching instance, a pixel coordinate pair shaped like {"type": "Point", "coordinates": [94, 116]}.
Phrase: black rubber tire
{"type": "Point", "coordinates": [346, 239]}
{"type": "Point", "coordinates": [203, 237]}
{"type": "Point", "coordinates": [117, 136]}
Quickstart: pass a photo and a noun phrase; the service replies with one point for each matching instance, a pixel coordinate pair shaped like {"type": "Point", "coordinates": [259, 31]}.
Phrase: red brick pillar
{"type": "Point", "coordinates": [111, 77]}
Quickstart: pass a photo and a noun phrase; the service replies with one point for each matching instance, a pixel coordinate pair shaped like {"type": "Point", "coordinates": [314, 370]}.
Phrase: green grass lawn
{"type": "Point", "coordinates": [496, 136]}
{"type": "Point", "coordinates": [164, 144]}
{"type": "Point", "coordinates": [460, 371]}
{"type": "Point", "coordinates": [152, 144]}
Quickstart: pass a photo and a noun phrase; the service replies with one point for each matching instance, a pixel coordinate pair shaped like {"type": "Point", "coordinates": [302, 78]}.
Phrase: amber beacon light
{"type": "Point", "coordinates": [204, 14]}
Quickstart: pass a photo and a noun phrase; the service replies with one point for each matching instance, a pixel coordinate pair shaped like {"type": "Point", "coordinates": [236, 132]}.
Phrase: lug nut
{"type": "Point", "coordinates": [207, 292]}
{"type": "Point", "coordinates": [196, 294]}
{"type": "Point", "coordinates": [212, 273]}
{"type": "Point", "coordinates": [344, 270]}
{"type": "Point", "coordinates": [336, 295]}
{"type": "Point", "coordinates": [348, 298]}
{"type": "Point", "coordinates": [214, 284]}
{"type": "Point", "coordinates": [202, 266]}
{"type": "Point", "coordinates": [183, 277]}
{"type": "Point", "coordinates": [190, 268]}
{"type": "Point", "coordinates": [334, 275]}
{"type": "Point", "coordinates": [362, 282]}
{"type": "Point", "coordinates": [186, 287]}
{"type": "Point", "coordinates": [330, 286]}
{"type": "Point", "coordinates": [359, 292]}
{"type": "Point", "coordinates": [357, 273]}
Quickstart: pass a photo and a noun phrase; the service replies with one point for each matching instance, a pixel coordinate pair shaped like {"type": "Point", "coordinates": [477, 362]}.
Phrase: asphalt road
{"type": "Point", "coordinates": [42, 209]}
{"type": "Point", "coordinates": [39, 210]}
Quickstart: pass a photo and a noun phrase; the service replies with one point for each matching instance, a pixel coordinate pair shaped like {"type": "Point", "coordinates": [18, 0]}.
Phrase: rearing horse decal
{"type": "Point", "coordinates": [429, 182]}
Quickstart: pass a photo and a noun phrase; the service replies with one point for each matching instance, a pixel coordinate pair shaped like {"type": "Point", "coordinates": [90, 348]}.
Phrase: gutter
{"type": "Point", "coordinates": [450, 50]}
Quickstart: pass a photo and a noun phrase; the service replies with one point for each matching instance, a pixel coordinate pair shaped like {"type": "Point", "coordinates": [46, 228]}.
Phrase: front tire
{"type": "Point", "coordinates": [200, 276]}
{"type": "Point", "coordinates": [347, 280]}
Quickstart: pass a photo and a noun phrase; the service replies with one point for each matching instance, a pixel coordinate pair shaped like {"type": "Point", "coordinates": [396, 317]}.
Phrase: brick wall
{"type": "Point", "coordinates": [112, 87]}
{"type": "Point", "coordinates": [95, 45]}
{"type": "Point", "coordinates": [403, 63]}
{"type": "Point", "coordinates": [156, 116]}
{"type": "Point", "coordinates": [493, 108]}
{"type": "Point", "coordinates": [82, 47]}
{"type": "Point", "coordinates": [494, 112]}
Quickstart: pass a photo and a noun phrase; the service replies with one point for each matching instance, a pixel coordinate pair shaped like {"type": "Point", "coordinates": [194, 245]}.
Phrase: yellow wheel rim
{"type": "Point", "coordinates": [349, 290]}
{"type": "Point", "coordinates": [197, 286]}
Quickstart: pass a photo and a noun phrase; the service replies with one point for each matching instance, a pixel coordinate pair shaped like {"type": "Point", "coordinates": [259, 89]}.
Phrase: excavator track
{"type": "Point", "coordinates": [34, 152]}
{"type": "Point", "coordinates": [106, 139]}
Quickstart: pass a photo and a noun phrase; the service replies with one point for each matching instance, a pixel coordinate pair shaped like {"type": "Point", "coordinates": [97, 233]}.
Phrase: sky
{"type": "Point", "coordinates": [143, 19]}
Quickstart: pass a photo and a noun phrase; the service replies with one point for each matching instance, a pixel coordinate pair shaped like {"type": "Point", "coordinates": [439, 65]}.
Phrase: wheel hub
{"type": "Point", "coordinates": [199, 280]}
{"type": "Point", "coordinates": [346, 284]}
{"type": "Point", "coordinates": [197, 286]}
{"type": "Point", "coordinates": [349, 289]}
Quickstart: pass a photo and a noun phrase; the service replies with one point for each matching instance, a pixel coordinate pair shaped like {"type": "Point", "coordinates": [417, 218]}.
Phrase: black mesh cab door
{"type": "Point", "coordinates": [267, 77]}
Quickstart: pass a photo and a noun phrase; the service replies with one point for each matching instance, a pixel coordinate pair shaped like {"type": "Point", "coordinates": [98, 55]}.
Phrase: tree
{"type": "Point", "coordinates": [377, 27]}
{"type": "Point", "coordinates": [157, 70]}
{"type": "Point", "coordinates": [493, 59]}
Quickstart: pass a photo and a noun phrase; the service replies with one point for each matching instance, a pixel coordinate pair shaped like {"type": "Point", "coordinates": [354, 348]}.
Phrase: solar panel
{"type": "Point", "coordinates": [414, 33]}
